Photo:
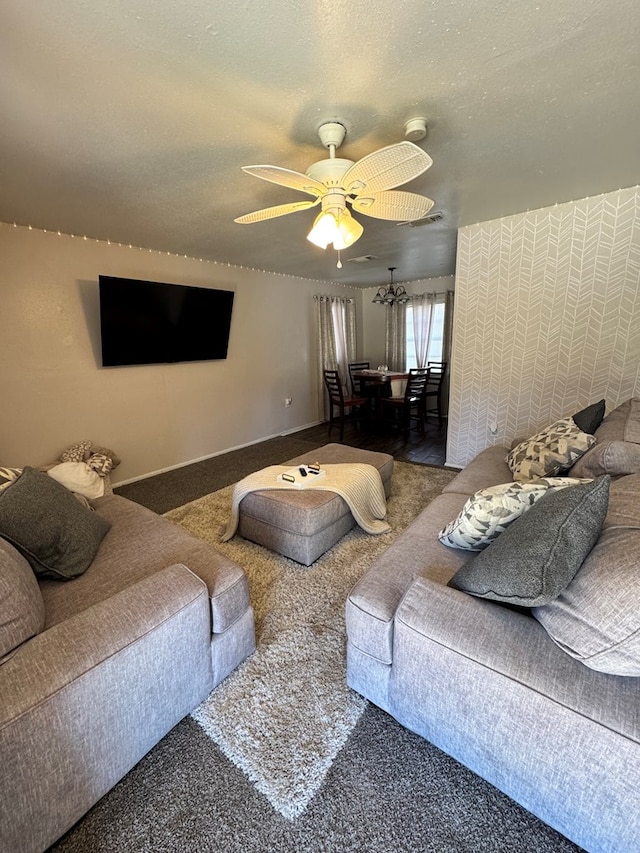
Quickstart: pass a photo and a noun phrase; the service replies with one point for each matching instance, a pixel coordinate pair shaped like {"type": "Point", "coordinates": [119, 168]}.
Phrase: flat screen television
{"type": "Point", "coordinates": [150, 322]}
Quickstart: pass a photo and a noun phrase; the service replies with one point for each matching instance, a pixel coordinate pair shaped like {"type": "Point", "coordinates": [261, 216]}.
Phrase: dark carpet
{"type": "Point", "coordinates": [388, 791]}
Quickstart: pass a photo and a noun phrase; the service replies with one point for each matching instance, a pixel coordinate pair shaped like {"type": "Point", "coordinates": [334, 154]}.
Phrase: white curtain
{"type": "Point", "coordinates": [422, 325]}
{"type": "Point", "coordinates": [396, 337]}
{"type": "Point", "coordinates": [336, 330]}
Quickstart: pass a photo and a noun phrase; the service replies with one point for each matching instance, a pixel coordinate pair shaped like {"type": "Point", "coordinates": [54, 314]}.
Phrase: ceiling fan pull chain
{"type": "Point", "coordinates": [339, 264]}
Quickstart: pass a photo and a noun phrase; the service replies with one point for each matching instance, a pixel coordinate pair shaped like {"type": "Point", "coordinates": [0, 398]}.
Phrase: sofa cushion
{"type": "Point", "coordinates": [489, 512]}
{"type": "Point", "coordinates": [21, 604]}
{"type": "Point", "coordinates": [622, 423]}
{"type": "Point", "coordinates": [538, 555]}
{"type": "Point", "coordinates": [488, 468]}
{"type": "Point", "coordinates": [550, 451]}
{"type": "Point", "coordinates": [596, 619]}
{"type": "Point", "coordinates": [58, 536]}
{"type": "Point", "coordinates": [590, 418]}
{"type": "Point", "coordinates": [616, 458]}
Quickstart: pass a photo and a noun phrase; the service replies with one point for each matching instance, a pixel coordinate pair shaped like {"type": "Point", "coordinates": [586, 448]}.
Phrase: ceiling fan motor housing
{"type": "Point", "coordinates": [329, 172]}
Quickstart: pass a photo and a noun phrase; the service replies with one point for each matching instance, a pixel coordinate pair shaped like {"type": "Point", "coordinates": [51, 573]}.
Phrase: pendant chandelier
{"type": "Point", "coordinates": [391, 294]}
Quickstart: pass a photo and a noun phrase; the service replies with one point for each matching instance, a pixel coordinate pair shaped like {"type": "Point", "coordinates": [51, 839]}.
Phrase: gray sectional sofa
{"type": "Point", "coordinates": [95, 670]}
{"type": "Point", "coordinates": [543, 702]}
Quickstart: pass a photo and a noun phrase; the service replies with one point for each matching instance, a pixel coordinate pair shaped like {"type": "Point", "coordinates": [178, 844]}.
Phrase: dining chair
{"type": "Point", "coordinates": [435, 387]}
{"type": "Point", "coordinates": [357, 385]}
{"type": "Point", "coordinates": [411, 405]}
{"type": "Point", "coordinates": [338, 400]}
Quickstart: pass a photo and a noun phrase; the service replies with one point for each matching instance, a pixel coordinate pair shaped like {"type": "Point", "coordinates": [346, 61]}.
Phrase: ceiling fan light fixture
{"type": "Point", "coordinates": [338, 228]}
{"type": "Point", "coordinates": [324, 230]}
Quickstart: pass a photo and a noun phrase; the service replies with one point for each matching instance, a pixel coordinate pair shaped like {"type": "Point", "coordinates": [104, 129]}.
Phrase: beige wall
{"type": "Point", "coordinates": [54, 390]}
{"type": "Point", "coordinates": [373, 346]}
{"type": "Point", "coordinates": [546, 319]}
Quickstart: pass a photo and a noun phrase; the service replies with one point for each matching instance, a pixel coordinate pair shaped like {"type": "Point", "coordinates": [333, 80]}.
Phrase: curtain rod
{"type": "Point", "coordinates": [431, 293]}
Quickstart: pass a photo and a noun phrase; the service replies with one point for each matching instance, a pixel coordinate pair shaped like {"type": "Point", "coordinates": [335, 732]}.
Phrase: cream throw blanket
{"type": "Point", "coordinates": [358, 484]}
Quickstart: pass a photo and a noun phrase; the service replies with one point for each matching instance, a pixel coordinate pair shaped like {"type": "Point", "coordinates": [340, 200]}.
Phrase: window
{"type": "Point", "coordinates": [437, 335]}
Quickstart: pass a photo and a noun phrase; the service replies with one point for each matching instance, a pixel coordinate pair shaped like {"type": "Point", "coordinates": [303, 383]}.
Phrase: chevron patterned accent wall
{"type": "Point", "coordinates": [546, 319]}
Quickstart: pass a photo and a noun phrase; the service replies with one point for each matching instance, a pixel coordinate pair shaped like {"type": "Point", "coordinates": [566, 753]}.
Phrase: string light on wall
{"type": "Point", "coordinates": [390, 294]}
{"type": "Point", "coordinates": [114, 245]}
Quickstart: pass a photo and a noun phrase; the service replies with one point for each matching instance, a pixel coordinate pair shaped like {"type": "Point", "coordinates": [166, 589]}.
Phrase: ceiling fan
{"type": "Point", "coordinates": [366, 185]}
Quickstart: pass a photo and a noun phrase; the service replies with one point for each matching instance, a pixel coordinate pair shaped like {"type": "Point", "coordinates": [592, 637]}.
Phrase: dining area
{"type": "Point", "coordinates": [379, 401]}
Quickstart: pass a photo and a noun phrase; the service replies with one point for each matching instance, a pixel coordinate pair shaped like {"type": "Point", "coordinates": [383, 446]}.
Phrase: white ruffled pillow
{"type": "Point", "coordinates": [78, 477]}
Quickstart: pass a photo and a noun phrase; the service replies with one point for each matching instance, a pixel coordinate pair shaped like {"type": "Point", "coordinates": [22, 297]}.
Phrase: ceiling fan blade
{"type": "Point", "coordinates": [287, 178]}
{"type": "Point", "coordinates": [386, 168]}
{"type": "Point", "coordinates": [400, 206]}
{"type": "Point", "coordinates": [278, 210]}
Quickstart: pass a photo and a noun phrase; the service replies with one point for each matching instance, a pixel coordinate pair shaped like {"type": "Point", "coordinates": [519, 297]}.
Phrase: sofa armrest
{"type": "Point", "coordinates": [56, 657]}
{"type": "Point", "coordinates": [500, 638]}
{"type": "Point", "coordinates": [83, 701]}
{"type": "Point", "coordinates": [372, 603]}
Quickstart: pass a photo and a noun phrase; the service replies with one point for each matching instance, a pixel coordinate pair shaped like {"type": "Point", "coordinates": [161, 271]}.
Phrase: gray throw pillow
{"type": "Point", "coordinates": [42, 519]}
{"type": "Point", "coordinates": [589, 419]}
{"type": "Point", "coordinates": [538, 555]}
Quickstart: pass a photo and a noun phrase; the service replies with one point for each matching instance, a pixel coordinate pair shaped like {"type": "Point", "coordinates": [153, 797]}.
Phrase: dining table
{"type": "Point", "coordinates": [382, 383]}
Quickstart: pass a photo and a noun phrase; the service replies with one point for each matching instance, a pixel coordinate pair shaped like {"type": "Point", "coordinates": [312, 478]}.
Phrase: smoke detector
{"type": "Point", "coordinates": [415, 129]}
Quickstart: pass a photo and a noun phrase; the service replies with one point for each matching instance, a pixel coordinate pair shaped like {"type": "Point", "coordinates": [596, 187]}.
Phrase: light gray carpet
{"type": "Point", "coordinates": [368, 785]}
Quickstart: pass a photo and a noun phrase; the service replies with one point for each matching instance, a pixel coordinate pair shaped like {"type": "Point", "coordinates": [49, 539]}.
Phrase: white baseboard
{"type": "Point", "coordinates": [212, 455]}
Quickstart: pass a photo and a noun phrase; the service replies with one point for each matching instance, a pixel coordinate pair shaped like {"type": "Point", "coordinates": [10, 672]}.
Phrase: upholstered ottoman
{"type": "Point", "coordinates": [304, 524]}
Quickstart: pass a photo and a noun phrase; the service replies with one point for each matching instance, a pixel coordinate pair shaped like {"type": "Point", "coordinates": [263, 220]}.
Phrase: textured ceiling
{"type": "Point", "coordinates": [129, 120]}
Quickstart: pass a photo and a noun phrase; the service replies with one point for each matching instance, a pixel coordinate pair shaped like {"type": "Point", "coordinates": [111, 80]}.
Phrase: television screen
{"type": "Point", "coordinates": [149, 322]}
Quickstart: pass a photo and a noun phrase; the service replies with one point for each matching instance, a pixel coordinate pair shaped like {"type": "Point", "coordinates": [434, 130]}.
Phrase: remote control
{"type": "Point", "coordinates": [303, 471]}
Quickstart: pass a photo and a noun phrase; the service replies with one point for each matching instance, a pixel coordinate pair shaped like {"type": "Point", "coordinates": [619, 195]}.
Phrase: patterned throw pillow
{"type": "Point", "coordinates": [8, 476]}
{"type": "Point", "coordinates": [490, 511]}
{"type": "Point", "coordinates": [100, 463]}
{"type": "Point", "coordinates": [548, 452]}
{"type": "Point", "coordinates": [78, 452]}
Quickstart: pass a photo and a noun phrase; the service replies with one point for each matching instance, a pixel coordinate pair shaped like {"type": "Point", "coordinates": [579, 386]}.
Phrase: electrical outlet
{"type": "Point", "coordinates": [493, 428]}
{"type": "Point", "coordinates": [288, 401]}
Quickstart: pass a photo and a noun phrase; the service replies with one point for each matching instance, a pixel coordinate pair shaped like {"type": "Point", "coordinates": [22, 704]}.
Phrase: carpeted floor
{"type": "Point", "coordinates": [283, 716]}
{"type": "Point", "coordinates": [385, 790]}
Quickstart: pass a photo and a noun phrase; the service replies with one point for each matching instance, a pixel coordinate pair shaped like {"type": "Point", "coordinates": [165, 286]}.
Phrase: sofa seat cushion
{"type": "Point", "coordinates": [596, 619]}
{"type": "Point", "coordinates": [550, 451]}
{"type": "Point", "coordinates": [488, 468]}
{"type": "Point", "coordinates": [139, 544]}
{"type": "Point", "coordinates": [539, 554]}
{"type": "Point", "coordinates": [21, 604]}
